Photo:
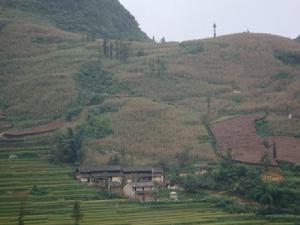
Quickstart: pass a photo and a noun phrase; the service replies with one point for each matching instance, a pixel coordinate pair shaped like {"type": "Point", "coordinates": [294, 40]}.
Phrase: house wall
{"type": "Point", "coordinates": [128, 191]}
{"type": "Point", "coordinates": [119, 179]}
{"type": "Point", "coordinates": [158, 179]}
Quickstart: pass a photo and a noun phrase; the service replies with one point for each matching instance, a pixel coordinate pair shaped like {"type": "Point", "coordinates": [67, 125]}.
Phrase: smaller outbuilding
{"type": "Point", "coordinates": [173, 196]}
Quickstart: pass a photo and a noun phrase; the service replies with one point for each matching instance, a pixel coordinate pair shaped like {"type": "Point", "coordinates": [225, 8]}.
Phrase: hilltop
{"type": "Point", "coordinates": [105, 18]}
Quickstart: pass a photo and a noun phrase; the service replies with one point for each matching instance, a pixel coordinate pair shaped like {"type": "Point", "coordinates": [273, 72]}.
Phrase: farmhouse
{"type": "Point", "coordinates": [143, 191]}
{"type": "Point", "coordinates": [115, 178]}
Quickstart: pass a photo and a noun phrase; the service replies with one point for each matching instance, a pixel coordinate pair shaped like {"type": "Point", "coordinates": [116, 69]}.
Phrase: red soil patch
{"type": "Point", "coordinates": [239, 135]}
{"type": "Point", "coordinates": [42, 129]}
{"type": "Point", "coordinates": [288, 148]}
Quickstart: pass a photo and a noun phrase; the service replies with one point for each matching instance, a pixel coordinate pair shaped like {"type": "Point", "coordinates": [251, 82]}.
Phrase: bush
{"type": "Point", "coordinates": [92, 83]}
{"type": "Point", "coordinates": [96, 127]}
{"type": "Point", "coordinates": [73, 113]}
{"type": "Point", "coordinates": [36, 191]}
{"type": "Point", "coordinates": [290, 58]}
{"type": "Point", "coordinates": [67, 147]}
{"type": "Point", "coordinates": [192, 48]}
{"type": "Point", "coordinates": [281, 75]}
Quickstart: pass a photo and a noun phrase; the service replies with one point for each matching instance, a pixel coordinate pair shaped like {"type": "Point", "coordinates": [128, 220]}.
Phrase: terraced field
{"type": "Point", "coordinates": [56, 190]}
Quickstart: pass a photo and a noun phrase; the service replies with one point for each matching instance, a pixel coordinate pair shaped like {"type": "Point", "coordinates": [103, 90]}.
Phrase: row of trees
{"type": "Point", "coordinates": [116, 50]}
{"type": "Point", "coordinates": [76, 215]}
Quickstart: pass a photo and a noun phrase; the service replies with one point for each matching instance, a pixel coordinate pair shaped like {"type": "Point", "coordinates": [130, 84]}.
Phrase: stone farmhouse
{"type": "Point", "coordinates": [135, 182]}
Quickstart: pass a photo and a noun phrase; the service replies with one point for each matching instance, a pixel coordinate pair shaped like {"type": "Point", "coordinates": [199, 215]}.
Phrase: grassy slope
{"type": "Point", "coordinates": [162, 114]}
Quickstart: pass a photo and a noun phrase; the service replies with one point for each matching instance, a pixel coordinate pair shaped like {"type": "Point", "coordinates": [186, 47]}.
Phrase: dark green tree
{"type": "Point", "coordinates": [208, 105]}
{"type": "Point", "coordinates": [67, 147]}
{"type": "Point", "coordinates": [266, 162]}
{"type": "Point", "coordinates": [117, 50]}
{"type": "Point", "coordinates": [105, 47]}
{"type": "Point", "coordinates": [77, 216]}
{"type": "Point", "coordinates": [124, 51]}
{"type": "Point", "coordinates": [163, 40]}
{"type": "Point", "coordinates": [274, 150]}
{"type": "Point", "coordinates": [111, 50]}
{"type": "Point", "coordinates": [21, 214]}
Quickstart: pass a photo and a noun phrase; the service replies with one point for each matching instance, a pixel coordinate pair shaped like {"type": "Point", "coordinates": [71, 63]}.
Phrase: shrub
{"type": "Point", "coordinates": [281, 75]}
{"type": "Point", "coordinates": [73, 113]}
{"type": "Point", "coordinates": [92, 83]}
{"type": "Point", "coordinates": [192, 48]}
{"type": "Point", "coordinates": [262, 128]}
{"type": "Point", "coordinates": [66, 147]}
{"type": "Point", "coordinates": [96, 127]}
{"type": "Point", "coordinates": [36, 191]}
{"type": "Point", "coordinates": [290, 58]}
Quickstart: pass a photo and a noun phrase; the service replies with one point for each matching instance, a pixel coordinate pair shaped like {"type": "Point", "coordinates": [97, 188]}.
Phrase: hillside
{"type": "Point", "coordinates": [170, 105]}
{"type": "Point", "coordinates": [154, 101]}
{"type": "Point", "coordinates": [105, 18]}
{"type": "Point", "coordinates": [298, 39]}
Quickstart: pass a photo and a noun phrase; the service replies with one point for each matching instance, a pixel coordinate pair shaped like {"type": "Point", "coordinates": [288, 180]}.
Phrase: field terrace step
{"type": "Point", "coordinates": [42, 129]}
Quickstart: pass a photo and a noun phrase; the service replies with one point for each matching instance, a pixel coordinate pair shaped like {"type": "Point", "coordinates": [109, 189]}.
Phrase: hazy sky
{"type": "Point", "coordinates": [193, 19]}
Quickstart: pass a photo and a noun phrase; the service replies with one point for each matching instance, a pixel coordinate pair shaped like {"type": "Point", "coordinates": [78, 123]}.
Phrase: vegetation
{"type": "Point", "coordinates": [92, 83]}
{"type": "Point", "coordinates": [262, 128]}
{"type": "Point", "coordinates": [21, 214]}
{"type": "Point", "coordinates": [290, 58]}
{"type": "Point", "coordinates": [67, 147]}
{"type": "Point", "coordinates": [77, 215]}
{"type": "Point", "coordinates": [278, 126]}
{"type": "Point", "coordinates": [245, 181]}
{"type": "Point", "coordinates": [97, 17]}
{"type": "Point", "coordinates": [56, 206]}
{"type": "Point", "coordinates": [136, 103]}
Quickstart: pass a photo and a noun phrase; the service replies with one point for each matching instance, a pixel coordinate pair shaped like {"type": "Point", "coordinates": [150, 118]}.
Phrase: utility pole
{"type": "Point", "coordinates": [215, 30]}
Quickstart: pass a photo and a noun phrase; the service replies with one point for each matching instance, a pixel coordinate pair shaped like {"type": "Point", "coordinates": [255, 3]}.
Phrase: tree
{"type": "Point", "coordinates": [93, 36]}
{"type": "Point", "coordinates": [163, 40]}
{"type": "Point", "coordinates": [111, 50]}
{"type": "Point", "coordinates": [77, 216]}
{"type": "Point", "coordinates": [117, 50]}
{"type": "Point", "coordinates": [183, 157]}
{"type": "Point", "coordinates": [229, 153]}
{"type": "Point", "coordinates": [114, 160]}
{"type": "Point", "coordinates": [274, 150]}
{"type": "Point", "coordinates": [105, 47]}
{"type": "Point", "coordinates": [266, 162]}
{"type": "Point", "coordinates": [208, 105]}
{"type": "Point", "coordinates": [67, 147]}
{"type": "Point", "coordinates": [124, 51]}
{"type": "Point", "coordinates": [21, 214]}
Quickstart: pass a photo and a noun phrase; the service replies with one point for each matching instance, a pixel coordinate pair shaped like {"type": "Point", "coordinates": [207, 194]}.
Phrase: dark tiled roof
{"type": "Point", "coordinates": [143, 184]}
{"type": "Point", "coordinates": [93, 169]}
{"type": "Point", "coordinates": [141, 169]}
{"type": "Point", "coordinates": [130, 169]}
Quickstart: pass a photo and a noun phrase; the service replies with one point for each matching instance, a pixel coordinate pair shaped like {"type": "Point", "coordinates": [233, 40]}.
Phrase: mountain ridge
{"type": "Point", "coordinates": [103, 18]}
